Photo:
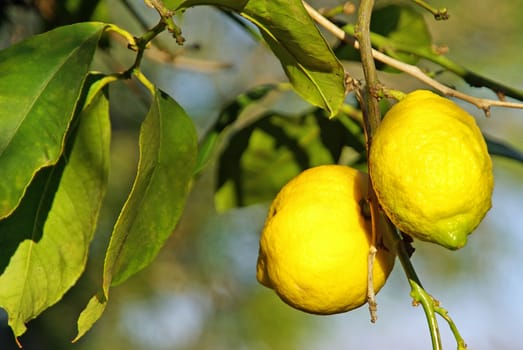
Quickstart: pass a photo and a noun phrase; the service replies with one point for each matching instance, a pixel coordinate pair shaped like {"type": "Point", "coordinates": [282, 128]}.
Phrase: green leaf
{"type": "Point", "coordinates": [403, 26]}
{"type": "Point", "coordinates": [307, 59]}
{"type": "Point", "coordinates": [498, 148]}
{"type": "Point", "coordinates": [395, 30]}
{"type": "Point", "coordinates": [228, 116]}
{"type": "Point", "coordinates": [92, 313]}
{"type": "Point", "coordinates": [168, 152]}
{"type": "Point", "coordinates": [46, 239]}
{"type": "Point", "coordinates": [259, 159]}
{"type": "Point", "coordinates": [42, 78]}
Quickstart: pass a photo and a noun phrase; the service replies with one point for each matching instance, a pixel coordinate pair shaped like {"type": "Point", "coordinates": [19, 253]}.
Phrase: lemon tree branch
{"type": "Point", "coordinates": [371, 119]}
{"type": "Point", "coordinates": [371, 115]}
{"type": "Point", "coordinates": [386, 45]}
{"type": "Point", "coordinates": [414, 71]}
{"type": "Point", "coordinates": [419, 295]}
{"type": "Point", "coordinates": [139, 45]}
{"type": "Point", "coordinates": [362, 33]}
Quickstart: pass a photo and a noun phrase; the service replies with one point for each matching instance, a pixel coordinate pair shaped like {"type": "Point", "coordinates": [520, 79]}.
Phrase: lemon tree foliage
{"type": "Point", "coordinates": [54, 159]}
{"type": "Point", "coordinates": [307, 59]}
{"type": "Point", "coordinates": [41, 82]}
{"type": "Point", "coordinates": [55, 149]}
{"type": "Point", "coordinates": [168, 149]}
{"type": "Point", "coordinates": [261, 157]}
{"type": "Point", "coordinates": [45, 241]}
{"type": "Point", "coordinates": [391, 23]}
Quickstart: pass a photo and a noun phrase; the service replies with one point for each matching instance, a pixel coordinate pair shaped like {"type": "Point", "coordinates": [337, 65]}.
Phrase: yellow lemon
{"type": "Point", "coordinates": [431, 170]}
{"type": "Point", "coordinates": [315, 242]}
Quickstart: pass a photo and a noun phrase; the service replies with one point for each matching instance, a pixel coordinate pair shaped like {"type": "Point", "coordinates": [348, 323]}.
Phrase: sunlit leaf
{"type": "Point", "coordinates": [168, 152]}
{"type": "Point", "coordinates": [92, 313]}
{"type": "Point", "coordinates": [45, 241]}
{"type": "Point", "coordinates": [40, 84]}
{"type": "Point", "coordinates": [307, 59]}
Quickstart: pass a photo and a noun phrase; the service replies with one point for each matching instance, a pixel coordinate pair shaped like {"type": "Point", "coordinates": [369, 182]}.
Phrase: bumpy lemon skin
{"type": "Point", "coordinates": [431, 170]}
{"type": "Point", "coordinates": [315, 242]}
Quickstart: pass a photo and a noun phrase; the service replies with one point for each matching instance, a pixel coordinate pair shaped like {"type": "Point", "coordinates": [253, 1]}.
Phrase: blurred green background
{"type": "Point", "coordinates": [201, 292]}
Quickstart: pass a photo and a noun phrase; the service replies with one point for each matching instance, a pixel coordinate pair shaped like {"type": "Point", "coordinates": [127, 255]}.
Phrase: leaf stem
{"type": "Point", "coordinates": [439, 14]}
{"type": "Point", "coordinates": [146, 82]}
{"type": "Point", "coordinates": [139, 45]}
{"type": "Point", "coordinates": [128, 36]}
{"type": "Point", "coordinates": [166, 15]}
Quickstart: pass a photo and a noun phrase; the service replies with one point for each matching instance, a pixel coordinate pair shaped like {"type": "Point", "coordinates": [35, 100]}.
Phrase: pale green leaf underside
{"type": "Point", "coordinates": [43, 255]}
{"type": "Point", "coordinates": [307, 59]}
{"type": "Point", "coordinates": [92, 312]}
{"type": "Point", "coordinates": [503, 149]}
{"type": "Point", "coordinates": [168, 152]}
{"type": "Point", "coordinates": [41, 81]}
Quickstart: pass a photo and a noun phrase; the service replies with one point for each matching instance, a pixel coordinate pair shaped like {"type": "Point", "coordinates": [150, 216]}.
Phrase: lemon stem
{"type": "Point", "coordinates": [419, 295]}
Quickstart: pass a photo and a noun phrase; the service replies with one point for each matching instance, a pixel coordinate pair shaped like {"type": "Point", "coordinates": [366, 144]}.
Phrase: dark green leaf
{"type": "Point", "coordinates": [46, 239]}
{"type": "Point", "coordinates": [307, 59]}
{"type": "Point", "coordinates": [498, 148]}
{"type": "Point", "coordinates": [228, 115]}
{"type": "Point", "coordinates": [259, 159]}
{"type": "Point", "coordinates": [403, 26]}
{"type": "Point", "coordinates": [393, 29]}
{"type": "Point", "coordinates": [41, 81]}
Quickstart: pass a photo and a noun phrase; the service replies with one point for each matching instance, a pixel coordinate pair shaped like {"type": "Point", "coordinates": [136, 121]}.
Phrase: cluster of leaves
{"type": "Point", "coordinates": [55, 146]}
{"type": "Point", "coordinates": [55, 150]}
